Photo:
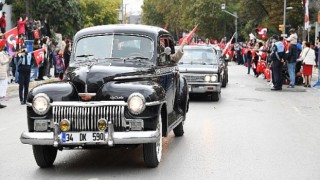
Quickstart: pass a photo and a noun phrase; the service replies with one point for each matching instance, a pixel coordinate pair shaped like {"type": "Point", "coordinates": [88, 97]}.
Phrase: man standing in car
{"type": "Point", "coordinates": [277, 55]}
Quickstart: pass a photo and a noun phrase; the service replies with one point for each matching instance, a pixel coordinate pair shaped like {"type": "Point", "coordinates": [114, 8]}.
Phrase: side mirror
{"type": "Point", "coordinates": [167, 51]}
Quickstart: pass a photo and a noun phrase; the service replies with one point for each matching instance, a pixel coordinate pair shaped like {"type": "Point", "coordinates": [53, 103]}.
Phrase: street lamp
{"type": "Point", "coordinates": [223, 8]}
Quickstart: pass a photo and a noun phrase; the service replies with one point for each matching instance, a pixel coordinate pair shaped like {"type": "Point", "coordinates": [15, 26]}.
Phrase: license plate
{"type": "Point", "coordinates": [82, 137]}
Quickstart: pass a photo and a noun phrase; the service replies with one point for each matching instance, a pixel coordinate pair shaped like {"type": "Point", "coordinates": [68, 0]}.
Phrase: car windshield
{"type": "Point", "coordinates": [199, 56]}
{"type": "Point", "coordinates": [114, 47]}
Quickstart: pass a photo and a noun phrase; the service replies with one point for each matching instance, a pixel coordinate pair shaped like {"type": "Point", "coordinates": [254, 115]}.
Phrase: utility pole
{"type": "Point", "coordinates": [235, 15]}
{"type": "Point", "coordinates": [284, 16]}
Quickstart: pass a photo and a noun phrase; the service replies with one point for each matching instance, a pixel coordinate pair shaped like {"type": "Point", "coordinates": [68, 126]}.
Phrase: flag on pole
{"type": "Point", "coordinates": [262, 32]}
{"type": "Point", "coordinates": [225, 50]}
{"type": "Point", "coordinates": [12, 36]}
{"type": "Point", "coordinates": [306, 15]}
{"type": "Point", "coordinates": [189, 36]}
{"type": "Point", "coordinates": [38, 55]}
{"type": "Point", "coordinates": [2, 42]}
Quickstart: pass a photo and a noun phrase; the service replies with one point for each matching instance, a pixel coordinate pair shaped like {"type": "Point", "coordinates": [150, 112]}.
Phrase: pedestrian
{"type": "Point", "coordinates": [249, 57]}
{"type": "Point", "coordinates": [21, 26]}
{"type": "Point", "coordinates": [293, 38]}
{"type": "Point", "coordinates": [308, 57]}
{"type": "Point", "coordinates": [67, 54]}
{"type": "Point", "coordinates": [45, 46]}
{"type": "Point", "coordinates": [277, 55]}
{"type": "Point", "coordinates": [291, 58]}
{"type": "Point", "coordinates": [4, 65]}
{"type": "Point", "coordinates": [59, 64]}
{"type": "Point", "coordinates": [24, 68]}
{"type": "Point", "coordinates": [3, 22]}
{"type": "Point", "coordinates": [36, 45]}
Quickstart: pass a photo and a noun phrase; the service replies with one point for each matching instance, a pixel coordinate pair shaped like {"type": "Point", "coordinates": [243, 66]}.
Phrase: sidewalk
{"type": "Point", "coordinates": [14, 87]}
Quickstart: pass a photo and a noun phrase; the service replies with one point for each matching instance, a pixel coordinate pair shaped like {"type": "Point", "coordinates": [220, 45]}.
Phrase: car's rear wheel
{"type": "Point", "coordinates": [44, 155]}
{"type": "Point", "coordinates": [152, 152]}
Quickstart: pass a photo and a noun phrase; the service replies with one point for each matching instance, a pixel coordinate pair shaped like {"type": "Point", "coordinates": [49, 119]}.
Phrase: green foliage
{"type": "Point", "coordinates": [181, 15]}
{"type": "Point", "coordinates": [68, 16]}
{"type": "Point", "coordinates": [99, 12]}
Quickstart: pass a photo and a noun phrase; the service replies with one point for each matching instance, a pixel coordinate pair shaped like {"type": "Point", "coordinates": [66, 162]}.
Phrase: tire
{"type": "Point", "coordinates": [215, 96]}
{"type": "Point", "coordinates": [44, 155]}
{"type": "Point", "coordinates": [224, 81]}
{"type": "Point", "coordinates": [178, 131]}
{"type": "Point", "coordinates": [152, 152]}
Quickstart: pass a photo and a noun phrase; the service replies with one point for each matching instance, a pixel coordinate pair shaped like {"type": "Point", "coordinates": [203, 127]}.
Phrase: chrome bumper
{"type": "Point", "coordinates": [203, 88]}
{"type": "Point", "coordinates": [111, 138]}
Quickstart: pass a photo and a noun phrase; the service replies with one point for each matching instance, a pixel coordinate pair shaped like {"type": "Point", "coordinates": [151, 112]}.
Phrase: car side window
{"type": "Point", "coordinates": [163, 58]}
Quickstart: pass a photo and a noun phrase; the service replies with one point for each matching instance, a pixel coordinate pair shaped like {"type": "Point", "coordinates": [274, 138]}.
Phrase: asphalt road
{"type": "Point", "coordinates": [251, 133]}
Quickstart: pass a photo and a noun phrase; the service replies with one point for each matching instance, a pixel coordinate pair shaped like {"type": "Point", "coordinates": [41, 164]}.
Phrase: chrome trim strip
{"type": "Point", "coordinates": [88, 104]}
{"type": "Point", "coordinates": [154, 103]}
{"type": "Point", "coordinates": [136, 137]}
{"type": "Point", "coordinates": [135, 77]}
{"type": "Point", "coordinates": [204, 83]}
{"type": "Point", "coordinates": [29, 104]}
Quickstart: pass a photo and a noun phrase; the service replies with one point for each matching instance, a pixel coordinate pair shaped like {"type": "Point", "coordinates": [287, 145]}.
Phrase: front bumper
{"type": "Point", "coordinates": [204, 87]}
{"type": "Point", "coordinates": [111, 138]}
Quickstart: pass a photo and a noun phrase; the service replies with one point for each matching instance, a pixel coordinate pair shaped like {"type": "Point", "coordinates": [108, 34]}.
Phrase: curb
{"type": "Point", "coordinates": [15, 87]}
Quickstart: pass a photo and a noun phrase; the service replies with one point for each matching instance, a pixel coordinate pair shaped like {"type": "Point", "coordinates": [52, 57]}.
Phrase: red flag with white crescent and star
{"type": "Point", "coordinates": [12, 36]}
{"type": "Point", "coordinates": [38, 55]}
{"type": "Point", "coordinates": [262, 32]}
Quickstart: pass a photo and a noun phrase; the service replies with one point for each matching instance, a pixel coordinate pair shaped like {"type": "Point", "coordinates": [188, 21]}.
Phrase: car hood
{"type": "Point", "coordinates": [90, 79]}
{"type": "Point", "coordinates": [197, 68]}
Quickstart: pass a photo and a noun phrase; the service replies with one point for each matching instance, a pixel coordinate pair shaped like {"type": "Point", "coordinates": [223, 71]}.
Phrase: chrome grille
{"type": "Point", "coordinates": [86, 118]}
{"type": "Point", "coordinates": [194, 78]}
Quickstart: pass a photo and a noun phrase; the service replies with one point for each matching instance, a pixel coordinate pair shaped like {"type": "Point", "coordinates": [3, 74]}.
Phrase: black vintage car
{"type": "Point", "coordinates": [121, 88]}
{"type": "Point", "coordinates": [202, 67]}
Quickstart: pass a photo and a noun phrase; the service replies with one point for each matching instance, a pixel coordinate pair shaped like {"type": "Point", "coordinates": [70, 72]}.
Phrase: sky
{"type": "Point", "coordinates": [133, 6]}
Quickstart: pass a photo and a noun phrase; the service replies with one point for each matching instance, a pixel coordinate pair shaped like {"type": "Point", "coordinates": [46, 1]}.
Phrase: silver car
{"type": "Point", "coordinates": [200, 66]}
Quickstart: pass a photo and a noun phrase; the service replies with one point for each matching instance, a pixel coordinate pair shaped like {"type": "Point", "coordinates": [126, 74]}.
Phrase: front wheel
{"type": "Point", "coordinates": [215, 96]}
{"type": "Point", "coordinates": [44, 155]}
{"type": "Point", "coordinates": [178, 131]}
{"type": "Point", "coordinates": [152, 152]}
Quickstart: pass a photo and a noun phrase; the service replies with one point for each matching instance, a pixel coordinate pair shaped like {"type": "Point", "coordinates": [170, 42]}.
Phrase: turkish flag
{"type": "Point", "coordinates": [12, 37]}
{"type": "Point", "coordinates": [262, 32]}
{"type": "Point", "coordinates": [2, 42]}
{"type": "Point", "coordinates": [38, 55]}
{"type": "Point", "coordinates": [189, 36]}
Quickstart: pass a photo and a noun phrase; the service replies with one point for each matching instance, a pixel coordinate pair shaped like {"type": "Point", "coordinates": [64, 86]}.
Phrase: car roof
{"type": "Point", "coordinates": [122, 28]}
{"type": "Point", "coordinates": [197, 47]}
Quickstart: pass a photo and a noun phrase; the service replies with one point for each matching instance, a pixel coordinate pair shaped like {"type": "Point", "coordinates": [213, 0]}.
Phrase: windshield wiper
{"type": "Point", "coordinates": [193, 62]}
{"type": "Point", "coordinates": [85, 55]}
{"type": "Point", "coordinates": [136, 58]}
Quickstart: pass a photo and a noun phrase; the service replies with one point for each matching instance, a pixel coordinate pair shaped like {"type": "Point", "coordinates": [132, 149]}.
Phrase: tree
{"type": "Point", "coordinates": [99, 12]}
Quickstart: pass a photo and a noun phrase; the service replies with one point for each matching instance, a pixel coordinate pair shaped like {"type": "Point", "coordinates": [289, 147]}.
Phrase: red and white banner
{"type": "Point", "coordinates": [189, 36]}
{"type": "Point", "coordinates": [262, 32]}
{"type": "Point", "coordinates": [12, 36]}
{"type": "Point", "coordinates": [226, 48]}
{"type": "Point", "coordinates": [306, 14]}
{"type": "Point", "coordinates": [38, 55]}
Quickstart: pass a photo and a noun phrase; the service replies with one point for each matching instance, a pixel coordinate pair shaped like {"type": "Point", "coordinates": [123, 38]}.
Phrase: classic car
{"type": "Point", "coordinates": [121, 89]}
{"type": "Point", "coordinates": [200, 65]}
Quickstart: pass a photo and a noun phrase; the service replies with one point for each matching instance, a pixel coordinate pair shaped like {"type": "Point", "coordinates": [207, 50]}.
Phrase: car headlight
{"type": "Point", "coordinates": [213, 78]}
{"type": "Point", "coordinates": [207, 78]}
{"type": "Point", "coordinates": [41, 103]}
{"type": "Point", "coordinates": [136, 103]}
